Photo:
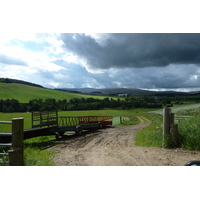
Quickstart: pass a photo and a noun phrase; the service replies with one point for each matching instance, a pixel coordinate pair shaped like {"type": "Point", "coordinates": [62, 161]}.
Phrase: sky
{"type": "Point", "coordinates": [105, 45]}
{"type": "Point", "coordinates": [156, 61]}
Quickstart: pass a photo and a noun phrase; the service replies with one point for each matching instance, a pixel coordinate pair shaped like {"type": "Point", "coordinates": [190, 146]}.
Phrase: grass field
{"type": "Point", "coordinates": [24, 93]}
{"type": "Point", "coordinates": [27, 116]}
{"type": "Point", "coordinates": [180, 109]}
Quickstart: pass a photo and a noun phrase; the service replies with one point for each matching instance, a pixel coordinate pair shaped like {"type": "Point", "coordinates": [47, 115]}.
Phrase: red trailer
{"type": "Point", "coordinates": [101, 120]}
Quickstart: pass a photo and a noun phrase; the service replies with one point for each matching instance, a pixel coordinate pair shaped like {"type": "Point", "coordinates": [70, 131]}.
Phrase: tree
{"type": "Point", "coordinates": [5, 109]}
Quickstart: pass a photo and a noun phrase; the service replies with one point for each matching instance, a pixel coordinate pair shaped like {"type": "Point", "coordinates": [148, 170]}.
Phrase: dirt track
{"type": "Point", "coordinates": [115, 147]}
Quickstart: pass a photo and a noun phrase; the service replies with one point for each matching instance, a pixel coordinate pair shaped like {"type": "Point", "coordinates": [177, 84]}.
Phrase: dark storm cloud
{"type": "Point", "coordinates": [179, 76]}
{"type": "Point", "coordinates": [135, 50]}
{"type": "Point", "coordinates": [11, 61]}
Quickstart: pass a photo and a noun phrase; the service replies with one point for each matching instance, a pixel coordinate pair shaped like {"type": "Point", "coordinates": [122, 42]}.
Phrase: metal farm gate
{"type": "Point", "coordinates": [44, 119]}
{"type": "Point", "coordinates": [15, 153]}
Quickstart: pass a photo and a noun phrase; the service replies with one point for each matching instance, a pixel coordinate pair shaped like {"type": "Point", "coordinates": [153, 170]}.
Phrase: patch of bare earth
{"type": "Point", "coordinates": [114, 146]}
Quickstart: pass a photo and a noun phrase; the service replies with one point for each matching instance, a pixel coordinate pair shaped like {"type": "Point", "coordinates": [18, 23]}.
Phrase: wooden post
{"type": "Point", "coordinates": [174, 133]}
{"type": "Point", "coordinates": [172, 118]}
{"type": "Point", "coordinates": [166, 120]}
{"type": "Point", "coordinates": [121, 120]}
{"type": "Point", "coordinates": [166, 125]}
{"type": "Point", "coordinates": [32, 118]}
{"type": "Point", "coordinates": [16, 155]}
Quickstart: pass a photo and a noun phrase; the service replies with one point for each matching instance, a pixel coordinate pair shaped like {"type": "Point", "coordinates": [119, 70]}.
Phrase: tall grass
{"type": "Point", "coordinates": [188, 128]}
{"type": "Point", "coordinates": [189, 133]}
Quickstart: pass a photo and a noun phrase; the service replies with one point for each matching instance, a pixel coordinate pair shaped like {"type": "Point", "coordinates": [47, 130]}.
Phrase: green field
{"type": "Point", "coordinates": [27, 116]}
{"type": "Point", "coordinates": [25, 93]}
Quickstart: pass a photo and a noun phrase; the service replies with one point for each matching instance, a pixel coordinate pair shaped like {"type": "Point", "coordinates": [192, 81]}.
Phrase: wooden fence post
{"type": "Point", "coordinates": [172, 118]}
{"type": "Point", "coordinates": [174, 133]}
{"type": "Point", "coordinates": [166, 126]}
{"type": "Point", "coordinates": [166, 120]}
{"type": "Point", "coordinates": [16, 155]}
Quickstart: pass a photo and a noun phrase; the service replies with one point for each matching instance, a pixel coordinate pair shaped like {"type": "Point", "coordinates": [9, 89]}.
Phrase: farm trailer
{"type": "Point", "coordinates": [49, 123]}
{"type": "Point", "coordinates": [60, 125]}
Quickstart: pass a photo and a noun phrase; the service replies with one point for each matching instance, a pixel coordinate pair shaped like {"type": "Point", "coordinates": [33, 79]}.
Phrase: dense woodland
{"type": "Point", "coordinates": [13, 105]}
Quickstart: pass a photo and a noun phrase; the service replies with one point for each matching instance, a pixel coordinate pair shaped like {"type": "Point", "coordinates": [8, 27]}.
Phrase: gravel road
{"type": "Point", "coordinates": [114, 146]}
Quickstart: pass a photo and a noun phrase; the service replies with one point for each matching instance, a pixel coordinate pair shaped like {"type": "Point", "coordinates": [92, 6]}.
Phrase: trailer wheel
{"type": "Point", "coordinates": [61, 133]}
{"type": "Point", "coordinates": [100, 125]}
{"type": "Point", "coordinates": [57, 136]}
{"type": "Point", "coordinates": [78, 130]}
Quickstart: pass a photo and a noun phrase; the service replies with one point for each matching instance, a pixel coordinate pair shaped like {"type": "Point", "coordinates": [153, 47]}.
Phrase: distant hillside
{"type": "Point", "coordinates": [9, 80]}
{"type": "Point", "coordinates": [128, 91]}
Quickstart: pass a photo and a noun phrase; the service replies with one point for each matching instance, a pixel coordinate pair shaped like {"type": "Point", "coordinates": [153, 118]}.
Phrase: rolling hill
{"type": "Point", "coordinates": [129, 91]}
{"type": "Point", "coordinates": [24, 93]}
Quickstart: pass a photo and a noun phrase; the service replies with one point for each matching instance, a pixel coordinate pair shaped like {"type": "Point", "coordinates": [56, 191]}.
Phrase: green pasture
{"type": "Point", "coordinates": [24, 93]}
{"type": "Point", "coordinates": [27, 116]}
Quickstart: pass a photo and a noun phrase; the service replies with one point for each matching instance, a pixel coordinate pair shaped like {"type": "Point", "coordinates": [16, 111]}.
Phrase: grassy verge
{"type": "Point", "coordinates": [36, 151]}
{"type": "Point", "coordinates": [152, 134]}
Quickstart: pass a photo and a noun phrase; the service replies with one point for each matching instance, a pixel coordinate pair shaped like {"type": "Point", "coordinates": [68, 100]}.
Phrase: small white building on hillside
{"type": "Point", "coordinates": [122, 95]}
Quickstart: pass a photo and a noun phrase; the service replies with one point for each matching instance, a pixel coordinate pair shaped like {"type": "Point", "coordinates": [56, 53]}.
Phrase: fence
{"type": "Point", "coordinates": [44, 119]}
{"type": "Point", "coordinates": [120, 120]}
{"type": "Point", "coordinates": [16, 151]}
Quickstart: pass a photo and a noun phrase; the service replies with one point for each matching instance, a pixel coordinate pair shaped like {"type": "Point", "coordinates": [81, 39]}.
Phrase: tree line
{"type": "Point", "coordinates": [9, 80]}
{"type": "Point", "coordinates": [13, 105]}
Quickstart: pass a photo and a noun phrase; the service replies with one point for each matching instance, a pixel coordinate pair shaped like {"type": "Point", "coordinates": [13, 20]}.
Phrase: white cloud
{"type": "Point", "coordinates": [17, 72]}
{"type": "Point", "coordinates": [100, 38]}
{"type": "Point", "coordinates": [37, 60]}
{"type": "Point", "coordinates": [54, 84]}
{"type": "Point", "coordinates": [117, 83]}
{"type": "Point", "coordinates": [194, 77]}
{"type": "Point", "coordinates": [91, 83]}
{"type": "Point", "coordinates": [55, 44]}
